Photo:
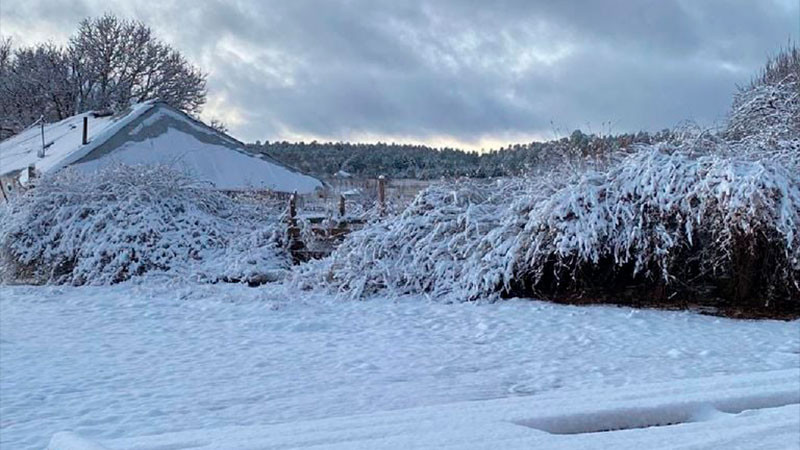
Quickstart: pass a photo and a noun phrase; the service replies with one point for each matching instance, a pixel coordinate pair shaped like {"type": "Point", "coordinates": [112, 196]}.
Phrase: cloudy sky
{"type": "Point", "coordinates": [469, 73]}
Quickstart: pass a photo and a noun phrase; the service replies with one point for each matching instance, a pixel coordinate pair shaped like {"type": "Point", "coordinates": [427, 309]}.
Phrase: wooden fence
{"type": "Point", "coordinates": [326, 233]}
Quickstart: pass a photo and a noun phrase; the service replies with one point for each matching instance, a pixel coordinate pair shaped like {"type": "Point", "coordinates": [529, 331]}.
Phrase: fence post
{"type": "Point", "coordinates": [381, 195]}
{"type": "Point", "coordinates": [293, 209]}
{"type": "Point", "coordinates": [85, 130]}
{"type": "Point", "coordinates": [341, 206]}
{"type": "Point", "coordinates": [41, 153]}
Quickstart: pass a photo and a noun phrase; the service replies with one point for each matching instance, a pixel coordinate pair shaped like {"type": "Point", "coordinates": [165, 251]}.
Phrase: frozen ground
{"type": "Point", "coordinates": [110, 363]}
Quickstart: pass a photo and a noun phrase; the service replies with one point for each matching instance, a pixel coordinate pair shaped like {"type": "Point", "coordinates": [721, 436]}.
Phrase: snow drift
{"type": "Point", "coordinates": [126, 221]}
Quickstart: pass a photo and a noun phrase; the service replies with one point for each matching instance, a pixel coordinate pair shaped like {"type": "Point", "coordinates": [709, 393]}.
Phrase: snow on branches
{"type": "Point", "coordinates": [127, 221]}
{"type": "Point", "coordinates": [765, 117]}
{"type": "Point", "coordinates": [424, 249]}
{"type": "Point", "coordinates": [646, 216]}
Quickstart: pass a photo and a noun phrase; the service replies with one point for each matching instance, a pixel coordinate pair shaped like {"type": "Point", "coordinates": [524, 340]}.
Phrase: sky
{"type": "Point", "coordinates": [472, 74]}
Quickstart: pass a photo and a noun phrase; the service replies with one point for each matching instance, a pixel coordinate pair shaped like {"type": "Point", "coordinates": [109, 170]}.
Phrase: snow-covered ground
{"type": "Point", "coordinates": [748, 411]}
{"type": "Point", "coordinates": [114, 363]}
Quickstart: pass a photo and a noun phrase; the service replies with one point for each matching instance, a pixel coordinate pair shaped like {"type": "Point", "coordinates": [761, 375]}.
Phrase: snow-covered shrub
{"type": "Point", "coordinates": [126, 221]}
{"type": "Point", "coordinates": [673, 221]}
{"type": "Point", "coordinates": [433, 246]}
{"type": "Point", "coordinates": [765, 116]}
{"type": "Point", "coordinates": [253, 257]}
{"type": "Point", "coordinates": [690, 225]}
{"type": "Point", "coordinates": [768, 112]}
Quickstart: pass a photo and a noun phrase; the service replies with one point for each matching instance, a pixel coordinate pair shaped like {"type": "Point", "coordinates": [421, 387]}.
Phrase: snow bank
{"type": "Point", "coordinates": [126, 221]}
{"type": "Point", "coordinates": [215, 356]}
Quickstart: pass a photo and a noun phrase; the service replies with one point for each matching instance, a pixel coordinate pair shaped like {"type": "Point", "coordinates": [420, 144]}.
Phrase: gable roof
{"type": "Point", "coordinates": [151, 133]}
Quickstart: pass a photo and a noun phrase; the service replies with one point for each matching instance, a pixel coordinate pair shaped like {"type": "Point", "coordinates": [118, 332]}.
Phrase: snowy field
{"type": "Point", "coordinates": [113, 364]}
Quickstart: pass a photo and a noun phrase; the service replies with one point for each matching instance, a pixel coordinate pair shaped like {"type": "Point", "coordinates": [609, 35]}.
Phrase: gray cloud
{"type": "Point", "coordinates": [459, 70]}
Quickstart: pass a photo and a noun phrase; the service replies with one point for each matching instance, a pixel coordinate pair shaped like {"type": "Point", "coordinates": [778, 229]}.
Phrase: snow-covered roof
{"type": "Point", "coordinates": [150, 133]}
{"type": "Point", "coordinates": [63, 140]}
{"type": "Point", "coordinates": [342, 174]}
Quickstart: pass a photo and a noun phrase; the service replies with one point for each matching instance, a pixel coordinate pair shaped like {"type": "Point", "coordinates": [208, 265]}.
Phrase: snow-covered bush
{"type": "Point", "coordinates": [253, 257]}
{"type": "Point", "coordinates": [434, 246]}
{"type": "Point", "coordinates": [769, 112]}
{"type": "Point", "coordinates": [765, 116]}
{"type": "Point", "coordinates": [693, 226]}
{"type": "Point", "coordinates": [126, 221]}
{"type": "Point", "coordinates": [696, 226]}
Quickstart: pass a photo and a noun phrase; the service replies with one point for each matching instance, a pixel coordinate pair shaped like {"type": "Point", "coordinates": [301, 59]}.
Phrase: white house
{"type": "Point", "coordinates": [147, 133]}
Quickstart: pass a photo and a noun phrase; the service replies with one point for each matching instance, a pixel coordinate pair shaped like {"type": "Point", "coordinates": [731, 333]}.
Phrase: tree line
{"type": "Point", "coordinates": [324, 159]}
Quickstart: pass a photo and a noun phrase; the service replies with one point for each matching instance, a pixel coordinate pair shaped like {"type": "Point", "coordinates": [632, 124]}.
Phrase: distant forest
{"type": "Point", "coordinates": [324, 159]}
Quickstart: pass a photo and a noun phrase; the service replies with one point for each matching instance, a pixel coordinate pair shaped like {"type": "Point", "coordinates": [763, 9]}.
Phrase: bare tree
{"type": "Point", "coordinates": [6, 127]}
{"type": "Point", "coordinates": [34, 84]}
{"type": "Point", "coordinates": [120, 62]}
{"type": "Point", "coordinates": [5, 52]}
{"type": "Point", "coordinates": [109, 63]}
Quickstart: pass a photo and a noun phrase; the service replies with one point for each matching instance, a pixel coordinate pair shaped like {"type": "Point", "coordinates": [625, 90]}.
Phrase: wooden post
{"type": "Point", "coordinates": [3, 190]}
{"type": "Point", "coordinates": [341, 206]}
{"type": "Point", "coordinates": [85, 130]}
{"type": "Point", "coordinates": [381, 195]}
{"type": "Point", "coordinates": [293, 210]}
{"type": "Point", "coordinates": [41, 153]}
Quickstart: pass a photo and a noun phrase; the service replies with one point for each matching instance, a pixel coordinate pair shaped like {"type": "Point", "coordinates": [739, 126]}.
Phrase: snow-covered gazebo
{"type": "Point", "coordinates": [147, 133]}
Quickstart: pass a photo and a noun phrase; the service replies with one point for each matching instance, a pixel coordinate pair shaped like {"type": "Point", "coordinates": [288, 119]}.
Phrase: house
{"type": "Point", "coordinates": [147, 133]}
